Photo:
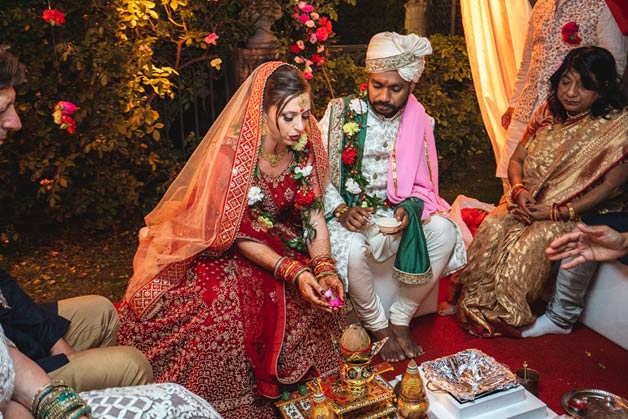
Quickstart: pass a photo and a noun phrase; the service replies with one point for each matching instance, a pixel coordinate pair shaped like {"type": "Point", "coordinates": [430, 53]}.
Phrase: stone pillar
{"type": "Point", "coordinates": [261, 47]}
{"type": "Point", "coordinates": [415, 17]}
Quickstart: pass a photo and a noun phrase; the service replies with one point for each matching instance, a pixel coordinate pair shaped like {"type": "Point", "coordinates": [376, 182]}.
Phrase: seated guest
{"type": "Point", "coordinates": [580, 252]}
{"type": "Point", "coordinates": [389, 166]}
{"type": "Point", "coordinates": [71, 340]}
{"type": "Point", "coordinates": [567, 163]}
{"type": "Point", "coordinates": [228, 292]}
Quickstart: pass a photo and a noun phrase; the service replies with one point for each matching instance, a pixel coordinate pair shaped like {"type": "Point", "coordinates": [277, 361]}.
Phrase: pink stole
{"type": "Point", "coordinates": [417, 168]}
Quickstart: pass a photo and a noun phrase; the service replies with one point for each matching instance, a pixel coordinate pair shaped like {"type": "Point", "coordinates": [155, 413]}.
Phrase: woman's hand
{"type": "Point", "coordinates": [335, 284]}
{"type": "Point", "coordinates": [540, 212]}
{"type": "Point", "coordinates": [521, 209]}
{"type": "Point", "coordinates": [356, 218]}
{"type": "Point", "coordinates": [312, 291]}
{"type": "Point", "coordinates": [506, 117]}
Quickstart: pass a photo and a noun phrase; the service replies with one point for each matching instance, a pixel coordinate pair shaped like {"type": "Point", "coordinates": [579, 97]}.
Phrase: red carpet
{"type": "Point", "coordinates": [583, 359]}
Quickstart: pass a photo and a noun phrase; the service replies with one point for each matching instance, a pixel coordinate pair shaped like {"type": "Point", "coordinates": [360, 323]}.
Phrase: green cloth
{"type": "Point", "coordinates": [412, 263]}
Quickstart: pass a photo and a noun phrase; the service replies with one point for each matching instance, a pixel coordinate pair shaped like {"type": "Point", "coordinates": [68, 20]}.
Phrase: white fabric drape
{"type": "Point", "coordinates": [495, 32]}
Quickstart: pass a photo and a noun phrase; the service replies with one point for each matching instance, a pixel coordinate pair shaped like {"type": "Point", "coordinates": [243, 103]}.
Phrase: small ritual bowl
{"type": "Point", "coordinates": [387, 225]}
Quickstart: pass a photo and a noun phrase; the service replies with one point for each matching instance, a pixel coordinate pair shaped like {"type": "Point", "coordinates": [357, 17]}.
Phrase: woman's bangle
{"type": "Point", "coordinates": [573, 215]}
{"type": "Point", "coordinates": [322, 266]}
{"type": "Point", "coordinates": [289, 269]}
{"type": "Point", "coordinates": [516, 190]}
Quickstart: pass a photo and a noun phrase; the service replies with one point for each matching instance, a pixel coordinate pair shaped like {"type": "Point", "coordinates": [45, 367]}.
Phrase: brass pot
{"type": "Point", "coordinates": [411, 409]}
{"type": "Point", "coordinates": [355, 376]}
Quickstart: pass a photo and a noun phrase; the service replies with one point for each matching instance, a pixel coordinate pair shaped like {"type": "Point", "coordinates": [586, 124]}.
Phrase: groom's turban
{"type": "Point", "coordinates": [390, 51]}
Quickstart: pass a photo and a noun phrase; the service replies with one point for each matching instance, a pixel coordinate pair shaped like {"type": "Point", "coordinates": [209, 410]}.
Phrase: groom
{"type": "Point", "coordinates": [383, 159]}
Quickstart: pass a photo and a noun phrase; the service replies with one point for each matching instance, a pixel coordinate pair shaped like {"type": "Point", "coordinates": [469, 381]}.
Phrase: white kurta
{"type": "Point", "coordinates": [354, 251]}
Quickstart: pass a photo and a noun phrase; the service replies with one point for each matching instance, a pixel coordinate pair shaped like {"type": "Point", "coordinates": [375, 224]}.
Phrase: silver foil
{"type": "Point", "coordinates": [468, 374]}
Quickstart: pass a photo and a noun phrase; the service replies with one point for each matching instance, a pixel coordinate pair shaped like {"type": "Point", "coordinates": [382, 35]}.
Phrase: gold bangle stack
{"type": "Point", "coordinates": [289, 269]}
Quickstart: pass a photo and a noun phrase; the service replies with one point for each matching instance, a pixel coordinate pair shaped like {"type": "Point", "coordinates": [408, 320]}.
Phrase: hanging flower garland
{"type": "Point", "coordinates": [355, 182]}
{"type": "Point", "coordinates": [313, 32]}
{"type": "Point", "coordinates": [61, 116]}
{"type": "Point", "coordinates": [569, 33]}
{"type": "Point", "coordinates": [306, 200]}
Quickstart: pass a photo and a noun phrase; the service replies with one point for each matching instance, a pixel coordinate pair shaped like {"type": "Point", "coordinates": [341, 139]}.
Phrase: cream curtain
{"type": "Point", "coordinates": [495, 32]}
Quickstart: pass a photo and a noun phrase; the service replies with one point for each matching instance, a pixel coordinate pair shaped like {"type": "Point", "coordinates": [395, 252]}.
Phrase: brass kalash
{"type": "Point", "coordinates": [357, 392]}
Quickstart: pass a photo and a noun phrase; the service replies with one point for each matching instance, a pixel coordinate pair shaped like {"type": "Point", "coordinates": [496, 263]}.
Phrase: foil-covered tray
{"type": "Point", "coordinates": [467, 375]}
{"type": "Point", "coordinates": [592, 403]}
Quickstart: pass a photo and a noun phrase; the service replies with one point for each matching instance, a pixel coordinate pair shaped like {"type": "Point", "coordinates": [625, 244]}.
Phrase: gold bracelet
{"type": "Point", "coordinates": [573, 215]}
{"type": "Point", "coordinates": [340, 211]}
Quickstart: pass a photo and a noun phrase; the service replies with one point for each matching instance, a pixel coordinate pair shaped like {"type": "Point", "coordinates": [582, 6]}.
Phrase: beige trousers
{"type": "Point", "coordinates": [97, 364]}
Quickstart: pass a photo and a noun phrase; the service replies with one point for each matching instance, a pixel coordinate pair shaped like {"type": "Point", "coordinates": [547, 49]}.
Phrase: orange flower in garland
{"type": "Point", "coordinates": [53, 17]}
{"type": "Point", "coordinates": [569, 33]}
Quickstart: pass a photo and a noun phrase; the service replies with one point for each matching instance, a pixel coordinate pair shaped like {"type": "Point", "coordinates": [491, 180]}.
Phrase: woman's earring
{"type": "Point", "coordinates": [264, 125]}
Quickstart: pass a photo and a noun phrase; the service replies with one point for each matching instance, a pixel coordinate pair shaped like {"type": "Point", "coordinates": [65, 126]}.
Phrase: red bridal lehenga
{"type": "Point", "coordinates": [230, 326]}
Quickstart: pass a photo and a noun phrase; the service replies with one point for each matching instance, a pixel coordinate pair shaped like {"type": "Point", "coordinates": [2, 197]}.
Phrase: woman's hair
{"type": "Point", "coordinates": [598, 72]}
{"type": "Point", "coordinates": [11, 70]}
{"type": "Point", "coordinates": [284, 84]}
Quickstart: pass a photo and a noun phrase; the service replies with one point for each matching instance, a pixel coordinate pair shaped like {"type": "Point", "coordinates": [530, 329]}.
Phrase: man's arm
{"type": "Point", "coordinates": [591, 243]}
{"type": "Point", "coordinates": [42, 328]}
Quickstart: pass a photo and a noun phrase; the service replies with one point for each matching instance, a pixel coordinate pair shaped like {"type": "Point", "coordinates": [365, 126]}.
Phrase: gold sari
{"type": "Point", "coordinates": [507, 265]}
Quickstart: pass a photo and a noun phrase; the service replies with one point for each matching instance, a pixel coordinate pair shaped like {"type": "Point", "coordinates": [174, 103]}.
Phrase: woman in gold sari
{"type": "Point", "coordinates": [569, 162]}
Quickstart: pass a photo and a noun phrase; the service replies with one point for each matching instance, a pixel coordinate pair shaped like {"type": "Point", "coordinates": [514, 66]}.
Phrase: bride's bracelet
{"type": "Point", "coordinates": [289, 270]}
{"type": "Point", "coordinates": [323, 266]}
{"type": "Point", "coordinates": [56, 400]}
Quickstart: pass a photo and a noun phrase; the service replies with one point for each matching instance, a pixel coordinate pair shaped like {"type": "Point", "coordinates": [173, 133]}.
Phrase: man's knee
{"type": "Point", "coordinates": [138, 370]}
{"type": "Point", "coordinates": [440, 233]}
{"type": "Point", "coordinates": [95, 321]}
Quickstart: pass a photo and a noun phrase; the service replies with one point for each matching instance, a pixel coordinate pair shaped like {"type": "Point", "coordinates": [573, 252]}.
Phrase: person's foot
{"type": "Point", "coordinates": [543, 326]}
{"type": "Point", "coordinates": [446, 309]}
{"type": "Point", "coordinates": [391, 351]}
{"type": "Point", "coordinates": [405, 340]}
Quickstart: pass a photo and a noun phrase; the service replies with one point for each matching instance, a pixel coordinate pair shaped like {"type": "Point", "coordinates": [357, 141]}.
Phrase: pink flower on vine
{"type": "Point", "coordinates": [66, 108]}
{"type": "Point", "coordinates": [68, 123]}
{"type": "Point", "coordinates": [53, 17]}
{"type": "Point", "coordinates": [211, 38]}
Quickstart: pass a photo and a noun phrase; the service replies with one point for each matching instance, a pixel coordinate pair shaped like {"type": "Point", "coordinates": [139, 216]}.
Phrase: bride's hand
{"type": "Point", "coordinates": [312, 291]}
{"type": "Point", "coordinates": [333, 283]}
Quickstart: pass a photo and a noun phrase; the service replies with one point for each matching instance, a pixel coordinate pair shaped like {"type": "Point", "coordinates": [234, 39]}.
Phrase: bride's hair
{"type": "Point", "coordinates": [283, 85]}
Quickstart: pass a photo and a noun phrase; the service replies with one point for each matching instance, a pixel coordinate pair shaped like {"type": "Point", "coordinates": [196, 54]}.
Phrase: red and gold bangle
{"type": "Point", "coordinates": [323, 266]}
{"type": "Point", "coordinates": [516, 190]}
{"type": "Point", "coordinates": [289, 269]}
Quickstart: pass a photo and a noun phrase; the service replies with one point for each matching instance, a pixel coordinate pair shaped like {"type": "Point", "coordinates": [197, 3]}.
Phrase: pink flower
{"type": "Point", "coordinates": [308, 75]}
{"type": "Point", "coordinates": [314, 16]}
{"type": "Point", "coordinates": [312, 38]}
{"type": "Point", "coordinates": [301, 44]}
{"type": "Point", "coordinates": [320, 48]}
{"type": "Point", "coordinates": [310, 24]}
{"type": "Point", "coordinates": [304, 18]}
{"type": "Point", "coordinates": [66, 108]}
{"type": "Point", "coordinates": [211, 38]}
{"type": "Point", "coordinates": [54, 17]}
{"type": "Point", "coordinates": [324, 22]}
{"type": "Point", "coordinates": [308, 8]}
{"type": "Point", "coordinates": [299, 60]}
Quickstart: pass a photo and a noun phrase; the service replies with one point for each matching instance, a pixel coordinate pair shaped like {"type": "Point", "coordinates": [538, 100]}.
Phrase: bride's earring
{"type": "Point", "coordinates": [264, 125]}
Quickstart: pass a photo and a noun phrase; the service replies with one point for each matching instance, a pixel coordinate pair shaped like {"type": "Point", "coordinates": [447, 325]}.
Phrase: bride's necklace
{"type": "Point", "coordinates": [272, 158]}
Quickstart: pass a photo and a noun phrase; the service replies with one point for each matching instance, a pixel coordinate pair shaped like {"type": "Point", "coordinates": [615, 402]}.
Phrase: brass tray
{"type": "Point", "coordinates": [600, 404]}
{"type": "Point", "coordinates": [379, 403]}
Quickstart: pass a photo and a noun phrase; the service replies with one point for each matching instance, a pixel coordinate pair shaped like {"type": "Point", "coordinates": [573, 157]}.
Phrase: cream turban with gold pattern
{"type": "Point", "coordinates": [389, 51]}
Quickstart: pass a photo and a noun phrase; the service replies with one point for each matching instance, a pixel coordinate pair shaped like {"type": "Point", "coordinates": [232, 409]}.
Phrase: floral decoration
{"type": "Point", "coordinates": [53, 17]}
{"type": "Point", "coordinates": [211, 38]}
{"type": "Point", "coordinates": [306, 200]}
{"type": "Point", "coordinates": [569, 33]}
{"type": "Point", "coordinates": [355, 182]}
{"type": "Point", "coordinates": [61, 116]}
{"type": "Point", "coordinates": [313, 32]}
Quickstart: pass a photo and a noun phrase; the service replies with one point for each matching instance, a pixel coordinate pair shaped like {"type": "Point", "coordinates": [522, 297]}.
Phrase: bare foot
{"type": "Point", "coordinates": [446, 309]}
{"type": "Point", "coordinates": [391, 351]}
{"type": "Point", "coordinates": [406, 341]}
